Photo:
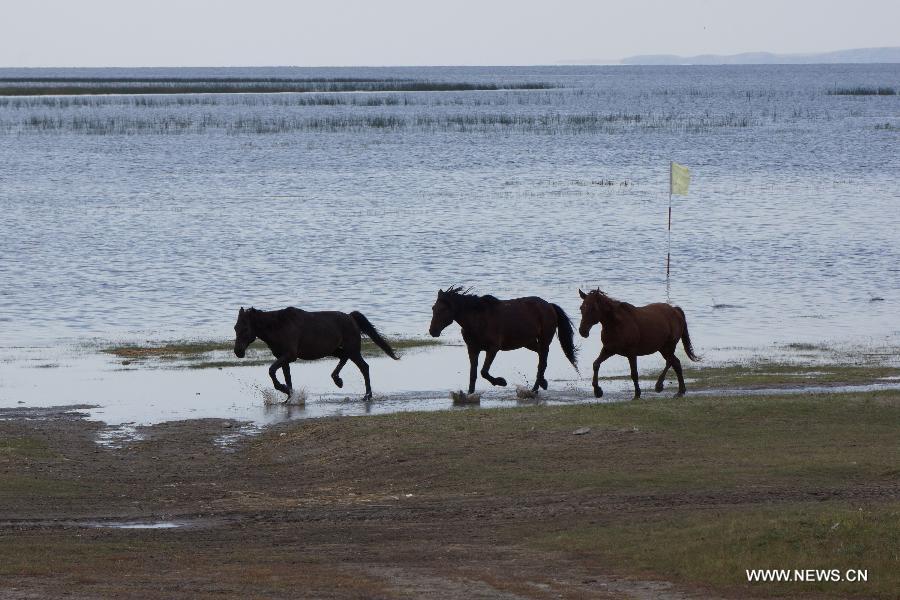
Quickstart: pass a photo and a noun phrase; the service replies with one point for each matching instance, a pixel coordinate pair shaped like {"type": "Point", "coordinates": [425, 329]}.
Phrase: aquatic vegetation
{"type": "Point", "coordinates": [863, 91]}
{"type": "Point", "coordinates": [212, 354]}
{"type": "Point", "coordinates": [88, 86]}
{"type": "Point", "coordinates": [542, 123]}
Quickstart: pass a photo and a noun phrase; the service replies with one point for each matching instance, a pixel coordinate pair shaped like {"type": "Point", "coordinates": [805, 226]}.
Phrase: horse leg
{"type": "Point", "coordinates": [668, 353]}
{"type": "Point", "coordinates": [473, 367]}
{"type": "Point", "coordinates": [604, 354]}
{"type": "Point", "coordinates": [542, 366]}
{"type": "Point", "coordinates": [676, 364]}
{"type": "Point", "coordinates": [485, 370]}
{"type": "Point", "coordinates": [662, 376]}
{"type": "Point", "coordinates": [286, 369]}
{"type": "Point", "coordinates": [273, 370]}
{"type": "Point", "coordinates": [336, 374]}
{"type": "Point", "coordinates": [632, 361]}
{"type": "Point", "coordinates": [364, 369]}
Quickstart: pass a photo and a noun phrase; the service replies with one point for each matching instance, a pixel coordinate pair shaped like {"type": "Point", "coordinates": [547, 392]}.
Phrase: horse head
{"type": "Point", "coordinates": [443, 312]}
{"type": "Point", "coordinates": [596, 307]}
{"type": "Point", "coordinates": [243, 332]}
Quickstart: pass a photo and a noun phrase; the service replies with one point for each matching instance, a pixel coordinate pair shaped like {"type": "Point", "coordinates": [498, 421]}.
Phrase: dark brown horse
{"type": "Point", "coordinates": [630, 331]}
{"type": "Point", "coordinates": [491, 325]}
{"type": "Point", "coordinates": [292, 334]}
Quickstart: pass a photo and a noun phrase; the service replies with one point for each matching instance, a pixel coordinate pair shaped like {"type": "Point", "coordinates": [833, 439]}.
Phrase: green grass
{"type": "Point", "coordinates": [715, 547]}
{"type": "Point", "coordinates": [17, 447]}
{"type": "Point", "coordinates": [690, 490]}
{"type": "Point", "coordinates": [649, 446]}
{"type": "Point", "coordinates": [765, 374]}
{"type": "Point", "coordinates": [15, 486]}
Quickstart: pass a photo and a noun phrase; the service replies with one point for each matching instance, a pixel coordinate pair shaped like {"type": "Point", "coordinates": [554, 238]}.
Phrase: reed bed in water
{"type": "Point", "coordinates": [88, 86]}
{"type": "Point", "coordinates": [515, 97]}
{"type": "Point", "coordinates": [545, 123]}
{"type": "Point", "coordinates": [863, 91]}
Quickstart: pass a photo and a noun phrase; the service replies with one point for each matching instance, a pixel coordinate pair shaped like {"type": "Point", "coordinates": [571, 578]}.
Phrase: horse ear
{"type": "Point", "coordinates": [582, 294]}
{"type": "Point", "coordinates": [240, 312]}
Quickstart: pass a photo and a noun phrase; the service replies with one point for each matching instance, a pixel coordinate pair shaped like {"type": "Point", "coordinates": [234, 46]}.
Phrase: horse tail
{"type": "Point", "coordinates": [566, 335]}
{"type": "Point", "coordinates": [686, 338]}
{"type": "Point", "coordinates": [367, 328]}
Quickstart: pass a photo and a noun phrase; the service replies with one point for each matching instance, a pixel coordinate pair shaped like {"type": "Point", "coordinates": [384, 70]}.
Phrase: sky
{"type": "Point", "coordinates": [99, 33]}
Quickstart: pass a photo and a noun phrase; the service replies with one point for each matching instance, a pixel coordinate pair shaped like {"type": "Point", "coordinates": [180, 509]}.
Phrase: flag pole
{"type": "Point", "coordinates": [669, 237]}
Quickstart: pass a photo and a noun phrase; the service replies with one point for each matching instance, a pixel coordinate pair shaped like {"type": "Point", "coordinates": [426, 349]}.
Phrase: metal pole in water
{"type": "Point", "coordinates": [669, 239]}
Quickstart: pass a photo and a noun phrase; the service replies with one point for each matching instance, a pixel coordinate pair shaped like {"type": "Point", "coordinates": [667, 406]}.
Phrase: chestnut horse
{"type": "Point", "coordinates": [491, 325]}
{"type": "Point", "coordinates": [292, 334]}
{"type": "Point", "coordinates": [630, 331]}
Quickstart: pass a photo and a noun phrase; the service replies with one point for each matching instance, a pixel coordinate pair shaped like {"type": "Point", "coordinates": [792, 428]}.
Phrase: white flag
{"type": "Point", "coordinates": [679, 180]}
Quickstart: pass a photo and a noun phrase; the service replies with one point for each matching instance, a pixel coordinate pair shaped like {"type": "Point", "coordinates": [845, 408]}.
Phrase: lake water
{"type": "Point", "coordinates": [134, 218]}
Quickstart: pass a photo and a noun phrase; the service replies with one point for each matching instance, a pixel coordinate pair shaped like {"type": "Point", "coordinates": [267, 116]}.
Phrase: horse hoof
{"type": "Point", "coordinates": [680, 393]}
{"type": "Point", "coordinates": [598, 392]}
{"type": "Point", "coordinates": [543, 383]}
{"type": "Point", "coordinates": [659, 387]}
{"type": "Point", "coordinates": [367, 398]}
{"type": "Point", "coordinates": [637, 397]}
{"type": "Point", "coordinates": [500, 381]}
{"type": "Point", "coordinates": [338, 382]}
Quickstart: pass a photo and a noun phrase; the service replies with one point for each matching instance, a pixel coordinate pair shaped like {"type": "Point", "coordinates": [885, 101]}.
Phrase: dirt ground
{"type": "Point", "coordinates": [449, 505]}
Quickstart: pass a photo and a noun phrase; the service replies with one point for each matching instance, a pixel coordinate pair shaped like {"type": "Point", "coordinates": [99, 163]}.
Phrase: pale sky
{"type": "Point", "coordinates": [96, 33]}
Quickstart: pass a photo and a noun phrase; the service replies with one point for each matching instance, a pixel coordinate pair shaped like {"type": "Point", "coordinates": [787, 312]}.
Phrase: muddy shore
{"type": "Point", "coordinates": [502, 503]}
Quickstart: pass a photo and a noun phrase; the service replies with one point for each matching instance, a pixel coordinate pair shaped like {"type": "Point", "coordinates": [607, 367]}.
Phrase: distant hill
{"type": "Point", "coordinates": [856, 55]}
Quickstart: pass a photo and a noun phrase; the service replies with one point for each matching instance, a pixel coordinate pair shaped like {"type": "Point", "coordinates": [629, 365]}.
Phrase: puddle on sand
{"type": "Point", "coordinates": [119, 436]}
{"type": "Point", "coordinates": [103, 524]}
{"type": "Point", "coordinates": [135, 525]}
{"type": "Point", "coordinates": [229, 440]}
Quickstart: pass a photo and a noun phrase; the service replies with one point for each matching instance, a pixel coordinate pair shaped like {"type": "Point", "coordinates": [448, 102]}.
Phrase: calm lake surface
{"type": "Point", "coordinates": [134, 218]}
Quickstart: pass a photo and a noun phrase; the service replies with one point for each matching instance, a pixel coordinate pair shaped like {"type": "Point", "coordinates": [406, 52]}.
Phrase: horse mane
{"type": "Point", "coordinates": [463, 298]}
{"type": "Point", "coordinates": [613, 303]}
{"type": "Point", "coordinates": [265, 320]}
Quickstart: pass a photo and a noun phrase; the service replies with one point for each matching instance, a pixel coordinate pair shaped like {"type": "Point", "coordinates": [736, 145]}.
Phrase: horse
{"type": "Point", "coordinates": [292, 333]}
{"type": "Point", "coordinates": [490, 325]}
{"type": "Point", "coordinates": [630, 331]}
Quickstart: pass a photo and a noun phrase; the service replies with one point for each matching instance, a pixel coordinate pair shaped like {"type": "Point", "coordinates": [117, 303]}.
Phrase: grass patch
{"type": "Point", "coordinates": [694, 490]}
{"type": "Point", "coordinates": [14, 486]}
{"type": "Point", "coordinates": [211, 354]}
{"type": "Point", "coordinates": [643, 447]}
{"type": "Point", "coordinates": [172, 350]}
{"type": "Point", "coordinates": [763, 374]}
{"type": "Point", "coordinates": [23, 447]}
{"type": "Point", "coordinates": [715, 547]}
{"type": "Point", "coordinates": [806, 347]}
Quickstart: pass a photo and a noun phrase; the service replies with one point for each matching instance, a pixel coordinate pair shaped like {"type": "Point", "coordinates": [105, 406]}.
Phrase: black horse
{"type": "Point", "coordinates": [492, 325]}
{"type": "Point", "coordinates": [292, 333]}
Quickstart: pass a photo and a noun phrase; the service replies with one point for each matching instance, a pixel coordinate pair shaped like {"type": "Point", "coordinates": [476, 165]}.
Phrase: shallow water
{"type": "Point", "coordinates": [126, 398]}
{"type": "Point", "coordinates": [131, 219]}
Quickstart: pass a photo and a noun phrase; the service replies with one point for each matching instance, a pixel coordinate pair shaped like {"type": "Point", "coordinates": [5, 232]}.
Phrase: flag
{"type": "Point", "coordinates": [679, 180]}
